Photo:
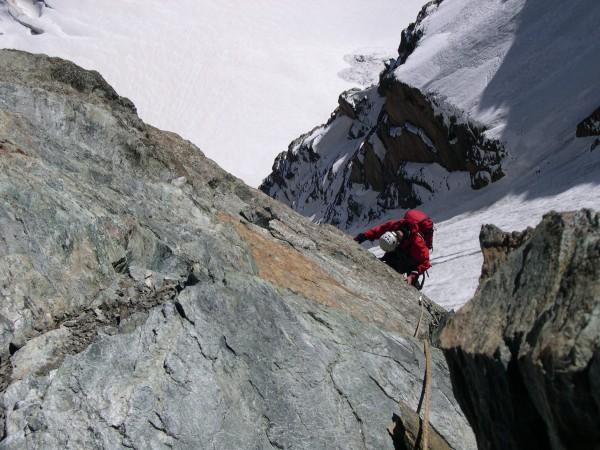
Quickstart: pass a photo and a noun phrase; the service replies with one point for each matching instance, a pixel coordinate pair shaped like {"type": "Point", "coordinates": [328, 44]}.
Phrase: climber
{"type": "Point", "coordinates": [419, 218]}
{"type": "Point", "coordinates": [406, 248]}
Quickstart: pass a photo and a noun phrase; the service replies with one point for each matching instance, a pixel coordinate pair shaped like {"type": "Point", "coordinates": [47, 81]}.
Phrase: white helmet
{"type": "Point", "coordinates": [389, 241]}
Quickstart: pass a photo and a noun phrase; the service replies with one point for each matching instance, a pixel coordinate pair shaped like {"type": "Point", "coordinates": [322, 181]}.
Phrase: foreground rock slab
{"type": "Point", "coordinates": [151, 300]}
{"type": "Point", "coordinates": [524, 353]}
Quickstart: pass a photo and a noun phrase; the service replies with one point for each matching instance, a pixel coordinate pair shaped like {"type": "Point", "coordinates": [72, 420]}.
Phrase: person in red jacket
{"type": "Point", "coordinates": [408, 254]}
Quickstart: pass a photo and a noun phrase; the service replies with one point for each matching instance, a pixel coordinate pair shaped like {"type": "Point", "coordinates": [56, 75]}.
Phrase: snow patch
{"type": "Point", "coordinates": [378, 147]}
{"type": "Point", "coordinates": [339, 163]}
{"type": "Point", "coordinates": [422, 135]}
{"type": "Point", "coordinates": [395, 132]}
{"type": "Point", "coordinates": [365, 66]}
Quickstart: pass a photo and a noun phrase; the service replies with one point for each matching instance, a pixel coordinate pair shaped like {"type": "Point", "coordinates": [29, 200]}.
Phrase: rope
{"type": "Point", "coordinates": [420, 317]}
{"type": "Point", "coordinates": [426, 398]}
{"type": "Point", "coordinates": [427, 381]}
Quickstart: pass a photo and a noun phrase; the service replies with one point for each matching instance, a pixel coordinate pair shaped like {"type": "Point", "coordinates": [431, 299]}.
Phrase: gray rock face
{"type": "Point", "coordinates": [496, 246]}
{"type": "Point", "coordinates": [151, 300]}
{"type": "Point", "coordinates": [524, 353]}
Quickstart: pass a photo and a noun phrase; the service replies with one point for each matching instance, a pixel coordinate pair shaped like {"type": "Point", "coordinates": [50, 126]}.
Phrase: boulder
{"type": "Point", "coordinates": [524, 352]}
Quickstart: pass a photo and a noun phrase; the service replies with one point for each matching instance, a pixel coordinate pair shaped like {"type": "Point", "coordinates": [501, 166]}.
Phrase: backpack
{"type": "Point", "coordinates": [425, 224]}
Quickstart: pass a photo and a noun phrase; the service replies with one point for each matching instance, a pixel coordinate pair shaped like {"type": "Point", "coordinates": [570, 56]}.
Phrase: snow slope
{"type": "Point", "coordinates": [239, 78]}
{"type": "Point", "coordinates": [528, 69]}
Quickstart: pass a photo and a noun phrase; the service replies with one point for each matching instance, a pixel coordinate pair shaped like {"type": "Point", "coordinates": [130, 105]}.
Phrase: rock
{"type": "Point", "coordinates": [590, 126]}
{"type": "Point", "coordinates": [524, 351]}
{"type": "Point", "coordinates": [414, 32]}
{"type": "Point", "coordinates": [41, 354]}
{"type": "Point", "coordinates": [496, 246]}
{"type": "Point", "coordinates": [406, 431]}
{"type": "Point", "coordinates": [174, 306]}
{"type": "Point", "coordinates": [179, 182]}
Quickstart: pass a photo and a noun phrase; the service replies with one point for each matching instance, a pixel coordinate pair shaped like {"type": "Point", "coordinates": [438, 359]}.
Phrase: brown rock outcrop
{"type": "Point", "coordinates": [525, 352]}
{"type": "Point", "coordinates": [496, 245]}
{"type": "Point", "coordinates": [392, 141]}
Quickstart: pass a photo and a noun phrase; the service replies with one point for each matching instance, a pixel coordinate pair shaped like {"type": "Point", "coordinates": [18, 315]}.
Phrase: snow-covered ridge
{"type": "Point", "coordinates": [361, 164]}
{"type": "Point", "coordinates": [412, 34]}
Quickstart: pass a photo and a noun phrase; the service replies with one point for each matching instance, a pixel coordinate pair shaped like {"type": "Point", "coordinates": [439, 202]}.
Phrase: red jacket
{"type": "Point", "coordinates": [413, 246]}
{"type": "Point", "coordinates": [425, 225]}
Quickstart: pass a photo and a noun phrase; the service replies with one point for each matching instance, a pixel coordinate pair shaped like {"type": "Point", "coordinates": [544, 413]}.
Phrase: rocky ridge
{"type": "Point", "coordinates": [414, 32]}
{"type": "Point", "coordinates": [151, 300]}
{"type": "Point", "coordinates": [590, 126]}
{"type": "Point", "coordinates": [524, 352]}
{"type": "Point", "coordinates": [386, 147]}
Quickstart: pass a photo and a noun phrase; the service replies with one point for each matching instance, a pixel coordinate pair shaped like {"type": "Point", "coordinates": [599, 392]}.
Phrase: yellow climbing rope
{"type": "Point", "coordinates": [423, 432]}
{"type": "Point", "coordinates": [420, 316]}
{"type": "Point", "coordinates": [427, 381]}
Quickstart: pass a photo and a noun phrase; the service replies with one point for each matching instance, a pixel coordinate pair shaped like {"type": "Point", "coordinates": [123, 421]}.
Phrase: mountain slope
{"type": "Point", "coordinates": [524, 71]}
{"type": "Point", "coordinates": [152, 300]}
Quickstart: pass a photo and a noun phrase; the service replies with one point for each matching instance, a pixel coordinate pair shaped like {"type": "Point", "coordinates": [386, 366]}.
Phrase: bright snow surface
{"type": "Point", "coordinates": [239, 78]}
